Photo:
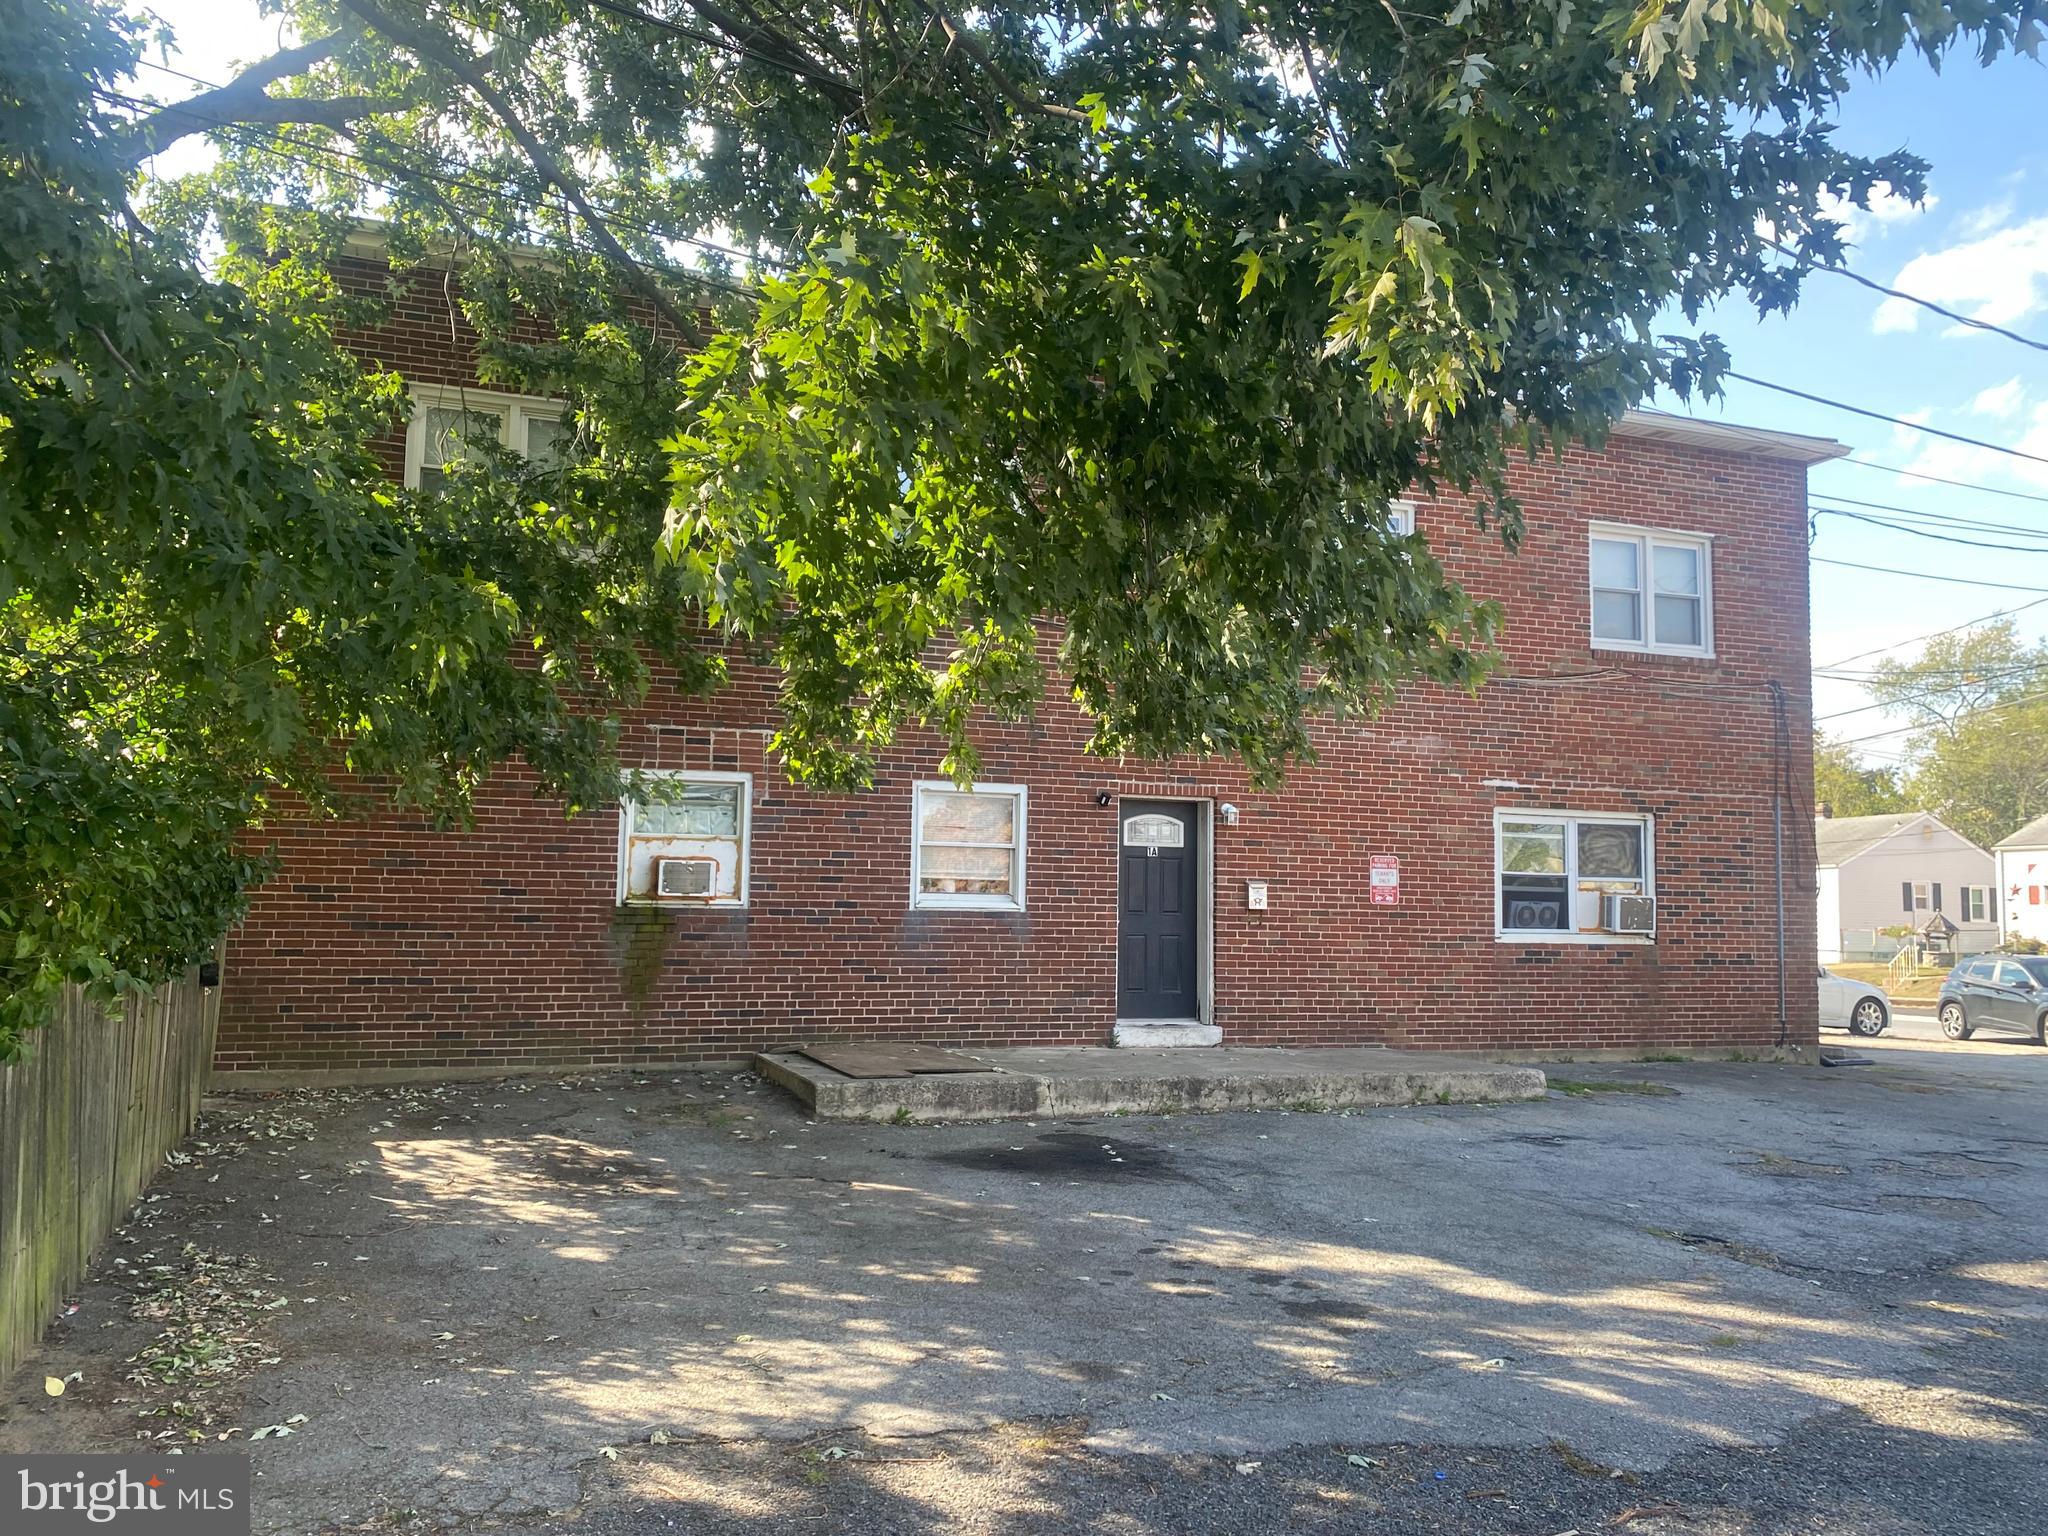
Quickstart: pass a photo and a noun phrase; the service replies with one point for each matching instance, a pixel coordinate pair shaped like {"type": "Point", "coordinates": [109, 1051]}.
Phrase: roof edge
{"type": "Point", "coordinates": [1728, 437]}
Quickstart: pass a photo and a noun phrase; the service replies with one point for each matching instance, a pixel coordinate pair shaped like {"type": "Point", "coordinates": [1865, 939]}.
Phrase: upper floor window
{"type": "Point", "coordinates": [967, 846]}
{"type": "Point", "coordinates": [449, 425]}
{"type": "Point", "coordinates": [683, 839]}
{"type": "Point", "coordinates": [1652, 591]}
{"type": "Point", "coordinates": [1401, 518]}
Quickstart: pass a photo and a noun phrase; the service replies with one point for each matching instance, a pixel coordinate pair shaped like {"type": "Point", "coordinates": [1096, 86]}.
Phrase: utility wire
{"type": "Point", "coordinates": [1961, 581]}
{"type": "Point", "coordinates": [1896, 421]}
{"type": "Point", "coordinates": [1968, 714]}
{"type": "Point", "coordinates": [1929, 533]}
{"type": "Point", "coordinates": [1973, 524]}
{"type": "Point", "coordinates": [1911, 298]}
{"type": "Point", "coordinates": [1914, 474]}
{"type": "Point", "coordinates": [1953, 629]}
{"type": "Point", "coordinates": [2033, 673]}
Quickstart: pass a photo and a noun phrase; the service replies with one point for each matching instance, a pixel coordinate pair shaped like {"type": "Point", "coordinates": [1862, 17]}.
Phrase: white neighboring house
{"type": "Point", "coordinates": [2023, 877]}
{"type": "Point", "coordinates": [1878, 872]}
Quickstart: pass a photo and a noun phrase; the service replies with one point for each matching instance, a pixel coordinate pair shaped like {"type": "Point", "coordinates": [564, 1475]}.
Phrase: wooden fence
{"type": "Point", "coordinates": [85, 1122]}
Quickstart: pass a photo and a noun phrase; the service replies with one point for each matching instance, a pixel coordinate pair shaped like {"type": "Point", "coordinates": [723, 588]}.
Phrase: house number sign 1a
{"type": "Point", "coordinates": [1154, 832]}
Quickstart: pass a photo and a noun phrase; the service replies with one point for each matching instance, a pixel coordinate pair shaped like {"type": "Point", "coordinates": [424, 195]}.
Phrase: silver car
{"type": "Point", "coordinates": [1856, 1006]}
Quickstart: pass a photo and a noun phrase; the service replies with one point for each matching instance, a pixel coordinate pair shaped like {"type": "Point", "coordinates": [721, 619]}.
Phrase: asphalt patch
{"type": "Point", "coordinates": [1067, 1155]}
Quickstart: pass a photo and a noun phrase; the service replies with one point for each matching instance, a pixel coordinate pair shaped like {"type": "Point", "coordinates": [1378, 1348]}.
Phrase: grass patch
{"type": "Point", "coordinates": [1579, 1088]}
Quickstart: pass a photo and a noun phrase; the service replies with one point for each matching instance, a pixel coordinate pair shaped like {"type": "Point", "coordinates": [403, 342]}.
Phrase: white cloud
{"type": "Point", "coordinates": [2001, 278]}
{"type": "Point", "coordinates": [1980, 466]}
{"type": "Point", "coordinates": [1886, 208]}
{"type": "Point", "coordinates": [2000, 399]}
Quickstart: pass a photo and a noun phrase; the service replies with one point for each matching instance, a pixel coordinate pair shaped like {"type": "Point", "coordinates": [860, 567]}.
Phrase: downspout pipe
{"type": "Point", "coordinates": [1781, 770]}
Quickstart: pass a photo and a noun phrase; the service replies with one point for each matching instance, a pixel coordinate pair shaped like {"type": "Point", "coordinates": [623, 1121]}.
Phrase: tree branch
{"type": "Point", "coordinates": [971, 46]}
{"type": "Point", "coordinates": [230, 103]}
{"type": "Point", "coordinates": [465, 68]}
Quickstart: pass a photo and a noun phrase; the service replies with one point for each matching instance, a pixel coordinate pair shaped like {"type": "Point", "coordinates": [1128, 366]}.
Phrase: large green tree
{"type": "Point", "coordinates": [1847, 788]}
{"type": "Point", "coordinates": [1977, 702]}
{"type": "Point", "coordinates": [890, 329]}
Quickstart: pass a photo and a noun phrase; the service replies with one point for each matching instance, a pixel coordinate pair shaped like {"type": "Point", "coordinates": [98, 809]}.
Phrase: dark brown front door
{"type": "Point", "coordinates": [1158, 973]}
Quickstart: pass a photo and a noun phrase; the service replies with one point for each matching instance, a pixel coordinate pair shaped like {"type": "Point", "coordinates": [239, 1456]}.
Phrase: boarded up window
{"type": "Point", "coordinates": [684, 840]}
{"type": "Point", "coordinates": [968, 846]}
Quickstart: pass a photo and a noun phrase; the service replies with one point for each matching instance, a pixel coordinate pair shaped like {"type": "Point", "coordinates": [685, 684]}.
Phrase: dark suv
{"type": "Point", "coordinates": [2002, 992]}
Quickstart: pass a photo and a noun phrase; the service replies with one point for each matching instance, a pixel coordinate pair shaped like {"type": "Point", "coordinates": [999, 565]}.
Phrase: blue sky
{"type": "Point", "coordinates": [1979, 245]}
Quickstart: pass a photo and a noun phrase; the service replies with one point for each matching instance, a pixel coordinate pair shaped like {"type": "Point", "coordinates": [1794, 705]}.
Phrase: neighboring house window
{"type": "Point", "coordinates": [1923, 895]}
{"type": "Point", "coordinates": [1554, 870]}
{"type": "Point", "coordinates": [683, 839]}
{"type": "Point", "coordinates": [967, 846]}
{"type": "Point", "coordinates": [450, 425]}
{"type": "Point", "coordinates": [1976, 903]}
{"type": "Point", "coordinates": [1652, 592]}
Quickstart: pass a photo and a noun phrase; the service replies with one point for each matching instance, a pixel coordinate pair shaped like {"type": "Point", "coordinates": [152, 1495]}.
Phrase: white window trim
{"type": "Point", "coordinates": [513, 413]}
{"type": "Point", "coordinates": [937, 901]}
{"type": "Point", "coordinates": [1975, 896]}
{"type": "Point", "coordinates": [1401, 518]}
{"type": "Point", "coordinates": [1503, 934]}
{"type": "Point", "coordinates": [746, 859]}
{"type": "Point", "coordinates": [1647, 539]}
{"type": "Point", "coordinates": [1923, 895]}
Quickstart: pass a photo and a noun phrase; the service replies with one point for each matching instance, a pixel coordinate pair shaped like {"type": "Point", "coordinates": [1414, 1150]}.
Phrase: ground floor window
{"type": "Point", "coordinates": [1559, 872]}
{"type": "Point", "coordinates": [683, 839]}
{"type": "Point", "coordinates": [967, 846]}
{"type": "Point", "coordinates": [1976, 903]}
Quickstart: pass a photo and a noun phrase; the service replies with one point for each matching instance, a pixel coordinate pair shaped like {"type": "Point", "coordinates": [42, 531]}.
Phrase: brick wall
{"type": "Point", "coordinates": [383, 944]}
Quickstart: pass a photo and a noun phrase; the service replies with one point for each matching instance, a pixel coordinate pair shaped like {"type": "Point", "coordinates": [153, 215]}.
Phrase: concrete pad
{"type": "Point", "coordinates": [1062, 1082]}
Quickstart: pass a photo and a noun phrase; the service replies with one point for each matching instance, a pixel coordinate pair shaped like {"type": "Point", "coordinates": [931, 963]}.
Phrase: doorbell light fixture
{"type": "Point", "coordinates": [1228, 812]}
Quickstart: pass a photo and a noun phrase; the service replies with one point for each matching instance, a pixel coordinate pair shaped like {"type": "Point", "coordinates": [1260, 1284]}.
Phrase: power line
{"type": "Point", "coordinates": [1974, 524]}
{"type": "Point", "coordinates": [2033, 672]}
{"type": "Point", "coordinates": [1914, 474]}
{"type": "Point", "coordinates": [1968, 714]}
{"type": "Point", "coordinates": [1929, 533]}
{"type": "Point", "coordinates": [1910, 298]}
{"type": "Point", "coordinates": [1879, 650]}
{"type": "Point", "coordinates": [1961, 581]}
{"type": "Point", "coordinates": [1896, 421]}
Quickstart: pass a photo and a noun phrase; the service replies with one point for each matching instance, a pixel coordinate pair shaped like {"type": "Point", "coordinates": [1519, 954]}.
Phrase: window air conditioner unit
{"type": "Point", "coordinates": [682, 877]}
{"type": "Point", "coordinates": [1631, 914]}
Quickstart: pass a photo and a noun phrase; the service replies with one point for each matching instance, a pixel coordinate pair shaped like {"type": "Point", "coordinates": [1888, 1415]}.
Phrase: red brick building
{"type": "Point", "coordinates": [1582, 858]}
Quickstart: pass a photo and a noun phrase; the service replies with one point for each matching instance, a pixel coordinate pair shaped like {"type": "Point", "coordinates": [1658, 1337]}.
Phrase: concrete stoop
{"type": "Point", "coordinates": [1068, 1082]}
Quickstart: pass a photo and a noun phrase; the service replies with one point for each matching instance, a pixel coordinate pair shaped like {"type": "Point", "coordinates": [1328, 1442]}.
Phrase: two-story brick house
{"type": "Point", "coordinates": [1584, 857]}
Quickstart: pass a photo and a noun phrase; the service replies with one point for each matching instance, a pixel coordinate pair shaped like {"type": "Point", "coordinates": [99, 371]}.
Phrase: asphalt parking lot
{"type": "Point", "coordinates": [1721, 1298]}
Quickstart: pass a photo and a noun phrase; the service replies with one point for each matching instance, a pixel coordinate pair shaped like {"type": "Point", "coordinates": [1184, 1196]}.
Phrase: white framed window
{"type": "Point", "coordinates": [448, 424]}
{"type": "Point", "coordinates": [1401, 518]}
{"type": "Point", "coordinates": [1923, 895]}
{"type": "Point", "coordinates": [1651, 591]}
{"type": "Point", "coordinates": [967, 846]}
{"type": "Point", "coordinates": [684, 839]}
{"type": "Point", "coordinates": [1976, 903]}
{"type": "Point", "coordinates": [1554, 870]}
